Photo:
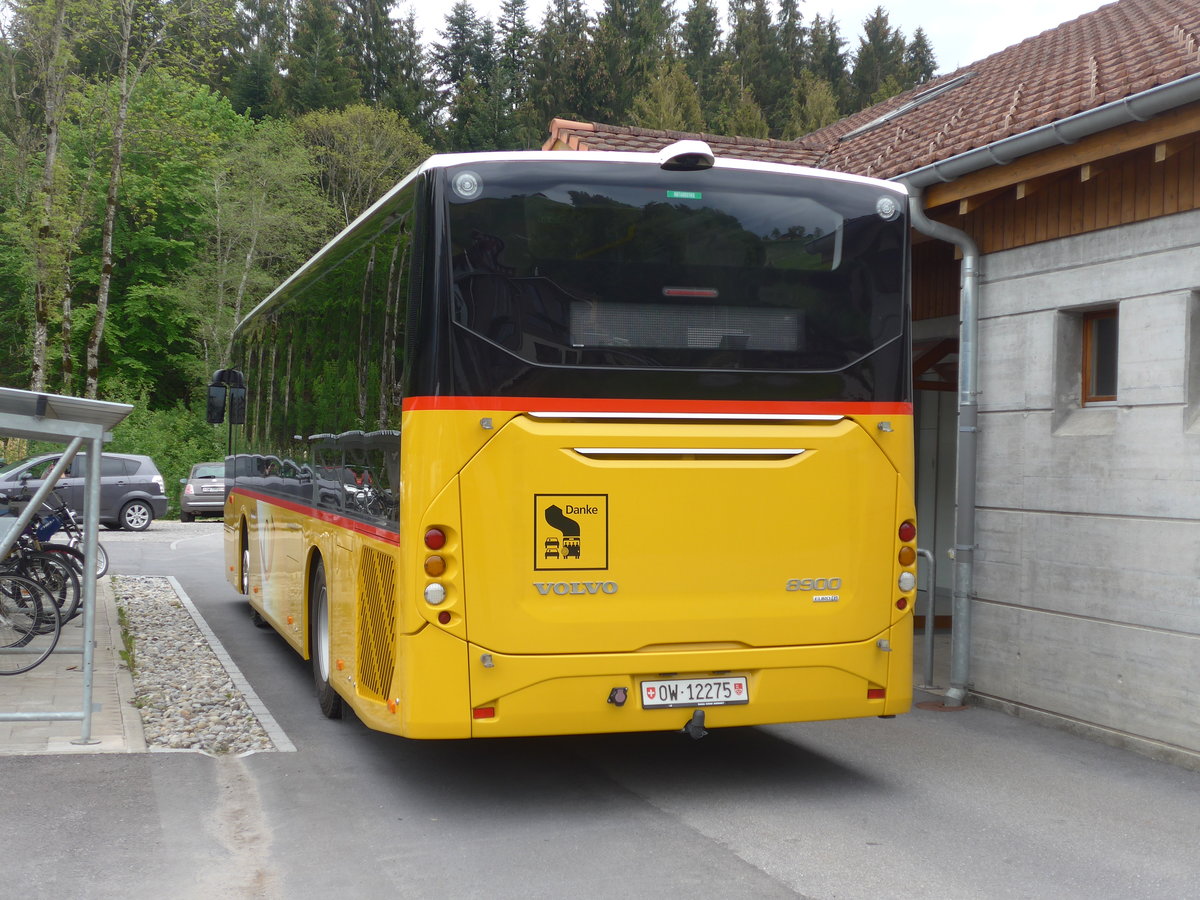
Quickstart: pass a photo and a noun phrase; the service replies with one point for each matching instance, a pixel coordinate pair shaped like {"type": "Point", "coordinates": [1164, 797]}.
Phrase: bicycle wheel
{"type": "Point", "coordinates": [75, 554]}
{"type": "Point", "coordinates": [29, 624]}
{"type": "Point", "coordinates": [55, 573]}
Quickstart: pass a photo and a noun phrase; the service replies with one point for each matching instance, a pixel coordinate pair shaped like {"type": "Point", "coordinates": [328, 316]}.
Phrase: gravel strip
{"type": "Point", "coordinates": [187, 699]}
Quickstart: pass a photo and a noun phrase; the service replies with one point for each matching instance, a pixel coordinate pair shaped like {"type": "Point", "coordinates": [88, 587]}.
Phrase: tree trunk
{"type": "Point", "coordinates": [49, 254]}
{"type": "Point", "coordinates": [96, 337]}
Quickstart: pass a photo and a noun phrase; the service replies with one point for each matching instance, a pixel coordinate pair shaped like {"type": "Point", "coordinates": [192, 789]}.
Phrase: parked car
{"type": "Point", "coordinates": [131, 489]}
{"type": "Point", "coordinates": [203, 492]}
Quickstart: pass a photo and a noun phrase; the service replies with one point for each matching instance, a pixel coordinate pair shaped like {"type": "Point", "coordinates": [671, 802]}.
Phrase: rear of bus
{"type": "Point", "coordinates": [657, 448]}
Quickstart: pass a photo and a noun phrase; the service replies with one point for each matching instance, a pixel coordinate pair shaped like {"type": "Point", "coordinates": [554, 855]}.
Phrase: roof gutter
{"type": "Point", "coordinates": [1135, 108]}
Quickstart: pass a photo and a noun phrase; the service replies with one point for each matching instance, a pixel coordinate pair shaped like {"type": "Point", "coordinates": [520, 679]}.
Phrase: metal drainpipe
{"type": "Point", "coordinates": [968, 439]}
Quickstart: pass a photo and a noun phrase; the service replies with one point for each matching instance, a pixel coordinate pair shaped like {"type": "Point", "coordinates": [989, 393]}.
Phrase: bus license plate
{"type": "Point", "coordinates": [668, 693]}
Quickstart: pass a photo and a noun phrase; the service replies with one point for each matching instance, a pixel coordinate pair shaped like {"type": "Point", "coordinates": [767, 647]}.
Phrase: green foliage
{"type": "Point", "coordinates": [175, 437]}
{"type": "Point", "coordinates": [320, 76]}
{"type": "Point", "coordinates": [669, 102]}
{"type": "Point", "coordinates": [813, 106]}
{"type": "Point", "coordinates": [880, 55]}
{"type": "Point", "coordinates": [361, 152]}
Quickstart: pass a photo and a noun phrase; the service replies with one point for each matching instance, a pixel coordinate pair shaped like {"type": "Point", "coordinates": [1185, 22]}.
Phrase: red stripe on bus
{"type": "Point", "coordinates": [322, 515]}
{"type": "Point", "coordinates": [567, 404]}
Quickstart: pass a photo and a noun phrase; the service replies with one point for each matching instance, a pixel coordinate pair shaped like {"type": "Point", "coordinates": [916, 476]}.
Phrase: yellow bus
{"type": "Point", "coordinates": [563, 443]}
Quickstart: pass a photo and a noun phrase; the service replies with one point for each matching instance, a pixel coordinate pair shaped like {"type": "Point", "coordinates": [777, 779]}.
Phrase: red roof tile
{"type": "Point", "coordinates": [1118, 50]}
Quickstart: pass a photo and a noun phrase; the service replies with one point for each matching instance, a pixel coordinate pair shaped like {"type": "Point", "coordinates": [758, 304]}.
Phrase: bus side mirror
{"type": "Point", "coordinates": [237, 406]}
{"type": "Point", "coordinates": [216, 404]}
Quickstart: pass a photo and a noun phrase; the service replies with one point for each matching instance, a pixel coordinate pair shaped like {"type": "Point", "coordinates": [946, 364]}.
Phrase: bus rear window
{"type": "Point", "coordinates": [628, 265]}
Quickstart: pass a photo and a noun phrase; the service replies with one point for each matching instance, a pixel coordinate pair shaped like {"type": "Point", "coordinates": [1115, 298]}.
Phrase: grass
{"type": "Point", "coordinates": [128, 655]}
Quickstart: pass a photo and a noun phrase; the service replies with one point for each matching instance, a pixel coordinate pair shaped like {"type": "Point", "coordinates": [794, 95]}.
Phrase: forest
{"type": "Point", "coordinates": [165, 163]}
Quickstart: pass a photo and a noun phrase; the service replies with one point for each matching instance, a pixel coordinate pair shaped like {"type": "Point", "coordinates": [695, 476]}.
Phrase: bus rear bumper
{"type": "Point", "coordinates": [598, 693]}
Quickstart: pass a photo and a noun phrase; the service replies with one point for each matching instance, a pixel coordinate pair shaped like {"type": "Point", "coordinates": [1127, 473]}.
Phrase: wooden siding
{"type": "Point", "coordinates": [935, 280]}
{"type": "Point", "coordinates": [1152, 181]}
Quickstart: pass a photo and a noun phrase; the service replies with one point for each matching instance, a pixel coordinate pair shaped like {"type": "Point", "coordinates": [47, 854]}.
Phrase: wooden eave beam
{"type": "Point", "coordinates": [1164, 150]}
{"type": "Point", "coordinates": [1176, 124]}
{"type": "Point", "coordinates": [1031, 186]}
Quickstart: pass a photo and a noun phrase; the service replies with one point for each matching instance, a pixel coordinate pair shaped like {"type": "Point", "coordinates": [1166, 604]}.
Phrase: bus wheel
{"type": "Point", "coordinates": [244, 575]}
{"type": "Point", "coordinates": [327, 697]}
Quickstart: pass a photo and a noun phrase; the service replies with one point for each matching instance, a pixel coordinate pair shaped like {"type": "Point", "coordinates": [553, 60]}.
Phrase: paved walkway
{"type": "Point", "coordinates": [56, 686]}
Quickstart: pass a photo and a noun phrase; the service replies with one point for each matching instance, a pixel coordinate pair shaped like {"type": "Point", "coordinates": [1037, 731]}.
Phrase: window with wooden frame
{"type": "Point", "coordinates": [1100, 356]}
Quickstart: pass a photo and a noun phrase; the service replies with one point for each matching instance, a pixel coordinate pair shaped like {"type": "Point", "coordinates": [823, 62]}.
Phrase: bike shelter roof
{"type": "Point", "coordinates": [51, 417]}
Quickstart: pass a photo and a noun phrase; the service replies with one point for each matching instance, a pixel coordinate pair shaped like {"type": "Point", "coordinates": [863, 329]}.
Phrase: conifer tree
{"type": "Point", "coordinates": [631, 39]}
{"type": "Point", "coordinates": [736, 113]}
{"type": "Point", "coordinates": [756, 54]}
{"type": "Point", "coordinates": [700, 48]}
{"type": "Point", "coordinates": [320, 75]}
{"type": "Point", "coordinates": [412, 91]}
{"type": "Point", "coordinates": [258, 44]}
{"type": "Point", "coordinates": [467, 45]}
{"type": "Point", "coordinates": [813, 106]}
{"type": "Point", "coordinates": [563, 81]}
{"type": "Point", "coordinates": [372, 41]}
{"type": "Point", "coordinates": [669, 102]}
{"type": "Point", "coordinates": [920, 65]}
{"type": "Point", "coordinates": [515, 48]}
{"type": "Point", "coordinates": [827, 60]}
{"type": "Point", "coordinates": [880, 54]}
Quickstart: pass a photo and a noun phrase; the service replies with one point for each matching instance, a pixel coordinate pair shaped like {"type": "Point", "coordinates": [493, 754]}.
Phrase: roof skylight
{"type": "Point", "coordinates": [919, 100]}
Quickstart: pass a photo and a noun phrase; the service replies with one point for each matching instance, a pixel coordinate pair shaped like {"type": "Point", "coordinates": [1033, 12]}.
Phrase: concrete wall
{"type": "Point", "coordinates": [1088, 570]}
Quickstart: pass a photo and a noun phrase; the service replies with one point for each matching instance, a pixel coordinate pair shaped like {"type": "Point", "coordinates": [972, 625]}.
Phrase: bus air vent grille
{"type": "Point", "coordinates": [376, 623]}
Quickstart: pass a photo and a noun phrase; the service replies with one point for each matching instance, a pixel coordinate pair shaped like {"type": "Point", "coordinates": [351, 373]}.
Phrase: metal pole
{"type": "Point", "coordinates": [91, 525]}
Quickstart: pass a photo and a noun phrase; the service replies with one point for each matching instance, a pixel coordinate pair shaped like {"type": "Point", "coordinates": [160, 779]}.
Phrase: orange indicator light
{"type": "Point", "coordinates": [907, 556]}
{"type": "Point", "coordinates": [434, 566]}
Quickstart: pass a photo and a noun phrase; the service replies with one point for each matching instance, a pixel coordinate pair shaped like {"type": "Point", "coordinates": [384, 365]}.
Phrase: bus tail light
{"type": "Point", "coordinates": [908, 532]}
{"type": "Point", "coordinates": [483, 712]}
{"type": "Point", "coordinates": [876, 693]}
{"type": "Point", "coordinates": [435, 539]}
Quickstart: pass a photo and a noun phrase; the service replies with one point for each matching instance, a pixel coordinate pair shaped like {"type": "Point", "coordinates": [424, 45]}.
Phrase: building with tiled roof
{"type": "Point", "coordinates": [1067, 170]}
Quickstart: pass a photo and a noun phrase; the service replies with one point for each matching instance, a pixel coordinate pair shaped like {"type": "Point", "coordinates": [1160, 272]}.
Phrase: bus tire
{"type": "Point", "coordinates": [318, 630]}
{"type": "Point", "coordinates": [244, 562]}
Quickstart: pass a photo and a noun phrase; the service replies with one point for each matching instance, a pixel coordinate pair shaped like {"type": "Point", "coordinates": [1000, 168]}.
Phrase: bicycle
{"type": "Point", "coordinates": [54, 571]}
{"type": "Point", "coordinates": [63, 518]}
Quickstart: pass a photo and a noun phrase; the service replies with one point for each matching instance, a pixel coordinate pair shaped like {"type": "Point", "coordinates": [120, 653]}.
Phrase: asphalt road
{"type": "Point", "coordinates": [951, 805]}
